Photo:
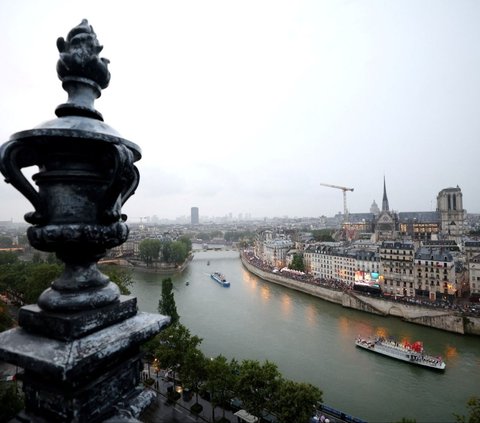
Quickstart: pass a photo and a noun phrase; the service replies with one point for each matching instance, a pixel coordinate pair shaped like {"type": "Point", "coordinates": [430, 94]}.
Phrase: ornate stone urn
{"type": "Point", "coordinates": [79, 345]}
{"type": "Point", "coordinates": [86, 173]}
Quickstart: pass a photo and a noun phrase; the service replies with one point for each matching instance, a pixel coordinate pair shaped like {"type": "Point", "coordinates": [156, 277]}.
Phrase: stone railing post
{"type": "Point", "coordinates": [79, 345]}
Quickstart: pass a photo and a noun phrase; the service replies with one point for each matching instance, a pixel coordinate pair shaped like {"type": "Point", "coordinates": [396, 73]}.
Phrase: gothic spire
{"type": "Point", "coordinates": [385, 199]}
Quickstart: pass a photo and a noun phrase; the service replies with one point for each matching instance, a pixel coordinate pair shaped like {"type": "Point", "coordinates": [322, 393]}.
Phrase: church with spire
{"type": "Point", "coordinates": [386, 221]}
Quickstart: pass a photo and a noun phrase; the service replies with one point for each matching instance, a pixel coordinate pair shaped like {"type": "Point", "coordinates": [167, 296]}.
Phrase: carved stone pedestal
{"type": "Point", "coordinates": [82, 379]}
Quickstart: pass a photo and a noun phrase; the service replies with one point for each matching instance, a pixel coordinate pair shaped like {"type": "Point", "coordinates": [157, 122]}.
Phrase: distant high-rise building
{"type": "Point", "coordinates": [194, 216]}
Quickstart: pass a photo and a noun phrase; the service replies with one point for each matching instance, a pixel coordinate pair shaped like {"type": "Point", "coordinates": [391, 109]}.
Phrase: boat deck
{"type": "Point", "coordinates": [395, 350]}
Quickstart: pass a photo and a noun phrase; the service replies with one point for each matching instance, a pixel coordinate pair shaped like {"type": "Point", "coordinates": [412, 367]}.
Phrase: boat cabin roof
{"type": "Point", "coordinates": [246, 417]}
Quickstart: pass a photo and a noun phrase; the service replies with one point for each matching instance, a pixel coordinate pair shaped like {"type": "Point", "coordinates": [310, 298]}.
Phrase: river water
{"type": "Point", "coordinates": [312, 340]}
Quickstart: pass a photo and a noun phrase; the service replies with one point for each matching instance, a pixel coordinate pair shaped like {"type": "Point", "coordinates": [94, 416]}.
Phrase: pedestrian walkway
{"type": "Point", "coordinates": [163, 411]}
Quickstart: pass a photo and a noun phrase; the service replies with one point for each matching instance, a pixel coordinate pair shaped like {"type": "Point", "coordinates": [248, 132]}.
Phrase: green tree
{"type": "Point", "coordinates": [297, 263]}
{"type": "Point", "coordinates": [25, 281]}
{"type": "Point", "coordinates": [166, 249]}
{"type": "Point", "coordinates": [12, 279]}
{"type": "Point", "coordinates": [237, 236]}
{"type": "Point", "coordinates": [220, 381]}
{"type": "Point", "coordinates": [194, 370]}
{"type": "Point", "coordinates": [166, 304]}
{"type": "Point", "coordinates": [232, 236]}
{"type": "Point", "coordinates": [207, 236]}
{"type": "Point", "coordinates": [23, 240]}
{"type": "Point", "coordinates": [8, 257]}
{"type": "Point", "coordinates": [473, 405]}
{"type": "Point", "coordinates": [179, 252]}
{"type": "Point", "coordinates": [149, 250]}
{"type": "Point", "coordinates": [53, 259]}
{"type": "Point", "coordinates": [173, 343]}
{"type": "Point", "coordinates": [6, 242]}
{"type": "Point", "coordinates": [38, 278]}
{"type": "Point", "coordinates": [257, 385]}
{"type": "Point", "coordinates": [11, 401]}
{"type": "Point", "coordinates": [187, 241]}
{"type": "Point", "coordinates": [122, 277]}
{"type": "Point", "coordinates": [6, 320]}
{"type": "Point", "coordinates": [323, 235]}
{"type": "Point", "coordinates": [295, 401]}
{"type": "Point", "coordinates": [36, 258]}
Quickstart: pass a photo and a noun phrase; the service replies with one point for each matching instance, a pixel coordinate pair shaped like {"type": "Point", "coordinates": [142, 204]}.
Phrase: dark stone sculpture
{"type": "Point", "coordinates": [86, 175]}
{"type": "Point", "coordinates": [79, 345]}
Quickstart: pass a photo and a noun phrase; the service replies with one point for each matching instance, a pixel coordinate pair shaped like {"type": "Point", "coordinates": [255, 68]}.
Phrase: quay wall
{"type": "Point", "coordinates": [446, 320]}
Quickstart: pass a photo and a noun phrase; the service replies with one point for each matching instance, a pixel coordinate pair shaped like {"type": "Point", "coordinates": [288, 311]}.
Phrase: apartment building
{"type": "Point", "coordinates": [397, 261]}
{"type": "Point", "coordinates": [435, 276]}
{"type": "Point", "coordinates": [346, 265]}
{"type": "Point", "coordinates": [474, 277]}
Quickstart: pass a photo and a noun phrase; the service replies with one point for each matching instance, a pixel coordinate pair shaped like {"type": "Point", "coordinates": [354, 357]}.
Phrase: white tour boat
{"type": "Point", "coordinates": [411, 353]}
{"type": "Point", "coordinates": [220, 278]}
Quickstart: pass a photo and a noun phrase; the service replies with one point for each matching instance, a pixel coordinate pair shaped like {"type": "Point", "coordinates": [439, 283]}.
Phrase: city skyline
{"type": "Point", "coordinates": [234, 216]}
{"type": "Point", "coordinates": [249, 108]}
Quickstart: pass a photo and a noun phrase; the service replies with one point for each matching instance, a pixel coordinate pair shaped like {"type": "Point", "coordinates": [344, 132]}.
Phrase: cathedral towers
{"type": "Point", "coordinates": [452, 214]}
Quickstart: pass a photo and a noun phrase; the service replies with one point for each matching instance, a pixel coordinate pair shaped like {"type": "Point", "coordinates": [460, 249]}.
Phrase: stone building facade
{"type": "Point", "coordinates": [328, 262]}
{"type": "Point", "coordinates": [419, 226]}
{"type": "Point", "coordinates": [345, 265]}
{"type": "Point", "coordinates": [435, 273]}
{"type": "Point", "coordinates": [474, 277]}
{"type": "Point", "coordinates": [471, 249]}
{"type": "Point", "coordinates": [397, 259]}
{"type": "Point", "coordinates": [272, 248]}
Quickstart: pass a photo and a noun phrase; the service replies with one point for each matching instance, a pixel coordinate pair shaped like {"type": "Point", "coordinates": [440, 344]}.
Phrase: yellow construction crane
{"type": "Point", "coordinates": [344, 189]}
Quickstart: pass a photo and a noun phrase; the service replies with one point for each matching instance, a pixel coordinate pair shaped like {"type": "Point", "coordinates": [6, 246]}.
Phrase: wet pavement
{"type": "Point", "coordinates": [162, 411]}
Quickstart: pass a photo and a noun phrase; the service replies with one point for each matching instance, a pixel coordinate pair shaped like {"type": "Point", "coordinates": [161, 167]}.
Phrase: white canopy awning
{"type": "Point", "coordinates": [246, 417]}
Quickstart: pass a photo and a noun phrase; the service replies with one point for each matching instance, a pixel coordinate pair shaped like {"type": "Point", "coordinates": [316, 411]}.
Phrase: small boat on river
{"type": "Point", "coordinates": [411, 353]}
{"type": "Point", "coordinates": [220, 278]}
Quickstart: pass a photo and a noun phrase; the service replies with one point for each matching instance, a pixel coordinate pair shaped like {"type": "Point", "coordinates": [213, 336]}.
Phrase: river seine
{"type": "Point", "coordinates": [312, 340]}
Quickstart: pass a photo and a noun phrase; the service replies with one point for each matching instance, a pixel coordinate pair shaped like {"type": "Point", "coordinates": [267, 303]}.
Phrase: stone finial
{"type": "Point", "coordinates": [83, 73]}
{"type": "Point", "coordinates": [79, 56]}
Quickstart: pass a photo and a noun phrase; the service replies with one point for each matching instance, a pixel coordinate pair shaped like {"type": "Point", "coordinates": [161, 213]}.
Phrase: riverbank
{"type": "Point", "coordinates": [313, 341]}
{"type": "Point", "coordinates": [157, 268]}
{"type": "Point", "coordinates": [447, 320]}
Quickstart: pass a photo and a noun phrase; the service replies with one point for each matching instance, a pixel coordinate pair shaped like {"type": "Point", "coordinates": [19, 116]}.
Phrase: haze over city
{"type": "Point", "coordinates": [247, 107]}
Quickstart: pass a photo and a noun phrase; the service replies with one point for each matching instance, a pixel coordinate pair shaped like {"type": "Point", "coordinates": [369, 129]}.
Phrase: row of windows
{"type": "Point", "coordinates": [397, 252]}
{"type": "Point", "coordinates": [404, 271]}
{"type": "Point", "coordinates": [397, 283]}
{"type": "Point", "coordinates": [433, 270]}
{"type": "Point", "coordinates": [410, 284]}
{"type": "Point", "coordinates": [432, 263]}
{"type": "Point", "coordinates": [314, 260]}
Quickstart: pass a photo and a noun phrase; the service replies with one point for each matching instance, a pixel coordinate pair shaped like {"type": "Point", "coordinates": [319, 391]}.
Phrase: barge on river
{"type": "Point", "coordinates": [411, 353]}
{"type": "Point", "coordinates": [220, 278]}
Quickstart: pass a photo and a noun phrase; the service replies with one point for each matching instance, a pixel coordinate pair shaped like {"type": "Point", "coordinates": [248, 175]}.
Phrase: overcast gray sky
{"type": "Point", "coordinates": [247, 106]}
